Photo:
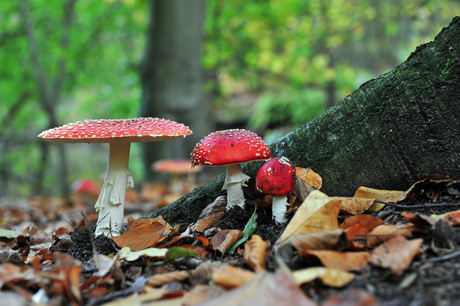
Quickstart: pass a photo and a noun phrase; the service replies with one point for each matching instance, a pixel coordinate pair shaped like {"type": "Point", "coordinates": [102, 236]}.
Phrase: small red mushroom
{"type": "Point", "coordinates": [277, 177]}
{"type": "Point", "coordinates": [119, 133]}
{"type": "Point", "coordinates": [230, 148]}
{"type": "Point", "coordinates": [176, 167]}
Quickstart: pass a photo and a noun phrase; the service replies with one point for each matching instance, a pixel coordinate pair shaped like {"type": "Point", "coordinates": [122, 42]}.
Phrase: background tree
{"type": "Point", "coordinates": [171, 73]}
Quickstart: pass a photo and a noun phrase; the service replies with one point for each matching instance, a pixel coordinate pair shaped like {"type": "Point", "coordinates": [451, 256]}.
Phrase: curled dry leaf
{"type": "Point", "coordinates": [230, 277]}
{"type": "Point", "coordinates": [201, 293]}
{"type": "Point", "coordinates": [344, 261]}
{"type": "Point", "coordinates": [383, 233]}
{"type": "Point", "coordinates": [355, 206]}
{"type": "Point", "coordinates": [210, 214]}
{"type": "Point", "coordinates": [317, 241]}
{"type": "Point", "coordinates": [396, 254]}
{"type": "Point", "coordinates": [166, 278]}
{"type": "Point", "coordinates": [255, 251]}
{"type": "Point", "coordinates": [309, 176]}
{"type": "Point", "coordinates": [391, 196]}
{"type": "Point", "coordinates": [366, 221]}
{"type": "Point", "coordinates": [223, 240]}
{"type": "Point", "coordinates": [318, 213]}
{"type": "Point", "coordinates": [144, 233]}
{"type": "Point", "coordinates": [330, 277]}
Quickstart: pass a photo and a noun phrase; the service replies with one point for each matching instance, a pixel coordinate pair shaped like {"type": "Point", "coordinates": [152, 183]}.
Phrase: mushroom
{"type": "Point", "coordinates": [277, 177]}
{"type": "Point", "coordinates": [230, 148]}
{"type": "Point", "coordinates": [176, 168]}
{"type": "Point", "coordinates": [119, 133]}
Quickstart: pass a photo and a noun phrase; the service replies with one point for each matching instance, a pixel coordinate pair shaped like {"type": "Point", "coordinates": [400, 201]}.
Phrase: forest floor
{"type": "Point", "coordinates": [405, 252]}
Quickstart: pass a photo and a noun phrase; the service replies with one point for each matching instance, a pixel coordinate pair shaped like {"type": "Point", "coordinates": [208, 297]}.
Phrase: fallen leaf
{"type": "Point", "coordinates": [268, 289]}
{"type": "Point", "coordinates": [255, 251]}
{"type": "Point", "coordinates": [383, 233]}
{"type": "Point", "coordinates": [355, 297]}
{"type": "Point", "coordinates": [178, 252]}
{"type": "Point", "coordinates": [317, 241]}
{"type": "Point", "coordinates": [396, 254]}
{"type": "Point", "coordinates": [166, 278]}
{"type": "Point", "coordinates": [355, 206]}
{"type": "Point", "coordinates": [225, 239]}
{"type": "Point", "coordinates": [419, 220]}
{"type": "Point", "coordinates": [143, 233]}
{"type": "Point", "coordinates": [318, 213]}
{"type": "Point", "coordinates": [391, 196]}
{"type": "Point", "coordinates": [128, 255]}
{"type": "Point", "coordinates": [301, 191]}
{"type": "Point", "coordinates": [330, 277]}
{"type": "Point", "coordinates": [231, 277]}
{"type": "Point", "coordinates": [344, 261]}
{"type": "Point", "coordinates": [366, 221]}
{"type": "Point", "coordinates": [309, 176]}
{"type": "Point", "coordinates": [202, 293]}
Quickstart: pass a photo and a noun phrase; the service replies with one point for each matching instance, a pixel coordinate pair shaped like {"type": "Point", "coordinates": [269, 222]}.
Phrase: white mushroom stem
{"type": "Point", "coordinates": [111, 201]}
{"type": "Point", "coordinates": [279, 207]}
{"type": "Point", "coordinates": [234, 181]}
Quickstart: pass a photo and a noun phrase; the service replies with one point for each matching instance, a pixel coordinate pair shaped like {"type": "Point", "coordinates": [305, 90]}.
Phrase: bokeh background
{"type": "Point", "coordinates": [265, 65]}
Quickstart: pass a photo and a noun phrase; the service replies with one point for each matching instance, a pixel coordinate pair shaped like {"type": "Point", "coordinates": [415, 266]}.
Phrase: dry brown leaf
{"type": "Point", "coordinates": [330, 277]}
{"type": "Point", "coordinates": [166, 278]}
{"type": "Point", "coordinates": [231, 277]}
{"type": "Point", "coordinates": [255, 251]}
{"type": "Point", "coordinates": [396, 254]}
{"type": "Point", "coordinates": [223, 240]}
{"type": "Point", "coordinates": [355, 297]}
{"type": "Point", "coordinates": [268, 289]}
{"type": "Point", "coordinates": [202, 293]}
{"type": "Point", "coordinates": [383, 233]}
{"type": "Point", "coordinates": [344, 261]}
{"type": "Point", "coordinates": [318, 213]}
{"type": "Point", "coordinates": [317, 241]}
{"type": "Point", "coordinates": [203, 224]}
{"type": "Point", "coordinates": [301, 191]}
{"type": "Point", "coordinates": [419, 220]}
{"type": "Point", "coordinates": [143, 233]}
{"type": "Point", "coordinates": [310, 177]}
{"type": "Point", "coordinates": [366, 221]}
{"type": "Point", "coordinates": [391, 196]}
{"type": "Point", "coordinates": [355, 206]}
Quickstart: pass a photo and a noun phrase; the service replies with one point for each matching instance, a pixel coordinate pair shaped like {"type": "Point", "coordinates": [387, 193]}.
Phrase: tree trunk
{"type": "Point", "coordinates": [172, 76]}
{"type": "Point", "coordinates": [387, 134]}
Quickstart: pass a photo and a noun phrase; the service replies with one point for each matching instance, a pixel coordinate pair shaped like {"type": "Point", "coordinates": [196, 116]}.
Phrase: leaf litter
{"type": "Point", "coordinates": [380, 246]}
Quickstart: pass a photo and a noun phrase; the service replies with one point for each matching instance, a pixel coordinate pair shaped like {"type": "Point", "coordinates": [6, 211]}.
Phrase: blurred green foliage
{"type": "Point", "coordinates": [292, 58]}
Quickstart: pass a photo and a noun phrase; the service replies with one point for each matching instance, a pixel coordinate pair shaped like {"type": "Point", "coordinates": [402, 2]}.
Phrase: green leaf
{"type": "Point", "coordinates": [247, 232]}
{"type": "Point", "coordinates": [8, 233]}
{"type": "Point", "coordinates": [178, 252]}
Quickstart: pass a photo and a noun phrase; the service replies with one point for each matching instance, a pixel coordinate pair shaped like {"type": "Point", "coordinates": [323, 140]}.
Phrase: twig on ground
{"type": "Point", "coordinates": [425, 205]}
{"type": "Point", "coordinates": [442, 258]}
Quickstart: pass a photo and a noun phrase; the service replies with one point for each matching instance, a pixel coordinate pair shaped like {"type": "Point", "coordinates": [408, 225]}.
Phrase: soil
{"type": "Point", "coordinates": [432, 278]}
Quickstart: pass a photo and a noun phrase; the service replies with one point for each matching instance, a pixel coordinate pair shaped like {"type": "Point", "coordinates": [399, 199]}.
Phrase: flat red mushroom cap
{"type": "Point", "coordinates": [117, 130]}
{"type": "Point", "coordinates": [174, 166]}
{"type": "Point", "coordinates": [229, 147]}
{"type": "Point", "coordinates": [276, 177]}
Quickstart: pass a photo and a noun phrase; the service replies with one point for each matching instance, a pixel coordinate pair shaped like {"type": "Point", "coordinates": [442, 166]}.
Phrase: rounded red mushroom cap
{"type": "Point", "coordinates": [276, 177]}
{"type": "Point", "coordinates": [229, 147]}
{"type": "Point", "coordinates": [117, 130]}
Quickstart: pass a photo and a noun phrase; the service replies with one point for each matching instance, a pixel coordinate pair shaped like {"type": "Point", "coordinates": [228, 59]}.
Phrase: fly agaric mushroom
{"type": "Point", "coordinates": [230, 148]}
{"type": "Point", "coordinates": [119, 134]}
{"type": "Point", "coordinates": [176, 167]}
{"type": "Point", "coordinates": [277, 178]}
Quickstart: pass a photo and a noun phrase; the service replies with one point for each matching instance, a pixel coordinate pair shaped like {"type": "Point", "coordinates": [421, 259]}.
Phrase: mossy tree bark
{"type": "Point", "coordinates": [387, 134]}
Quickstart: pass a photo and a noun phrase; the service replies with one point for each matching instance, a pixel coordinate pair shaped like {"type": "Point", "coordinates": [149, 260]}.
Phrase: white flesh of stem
{"type": "Point", "coordinates": [234, 181]}
{"type": "Point", "coordinates": [279, 207]}
{"type": "Point", "coordinates": [111, 201]}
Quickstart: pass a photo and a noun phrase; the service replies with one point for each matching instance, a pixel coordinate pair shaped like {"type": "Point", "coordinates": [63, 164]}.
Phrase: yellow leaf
{"type": "Point", "coordinates": [344, 261]}
{"type": "Point", "coordinates": [391, 196]}
{"type": "Point", "coordinates": [317, 214]}
{"type": "Point", "coordinates": [330, 277]}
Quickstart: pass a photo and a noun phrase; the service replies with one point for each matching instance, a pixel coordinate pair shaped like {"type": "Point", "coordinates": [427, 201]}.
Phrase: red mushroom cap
{"type": "Point", "coordinates": [174, 166]}
{"type": "Point", "coordinates": [229, 147]}
{"type": "Point", "coordinates": [86, 186]}
{"type": "Point", "coordinates": [117, 130]}
{"type": "Point", "coordinates": [276, 177]}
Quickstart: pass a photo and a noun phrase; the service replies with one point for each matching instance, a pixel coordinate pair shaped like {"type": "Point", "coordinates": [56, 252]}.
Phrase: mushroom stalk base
{"type": "Point", "coordinates": [234, 181]}
{"type": "Point", "coordinates": [279, 207]}
{"type": "Point", "coordinates": [111, 201]}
